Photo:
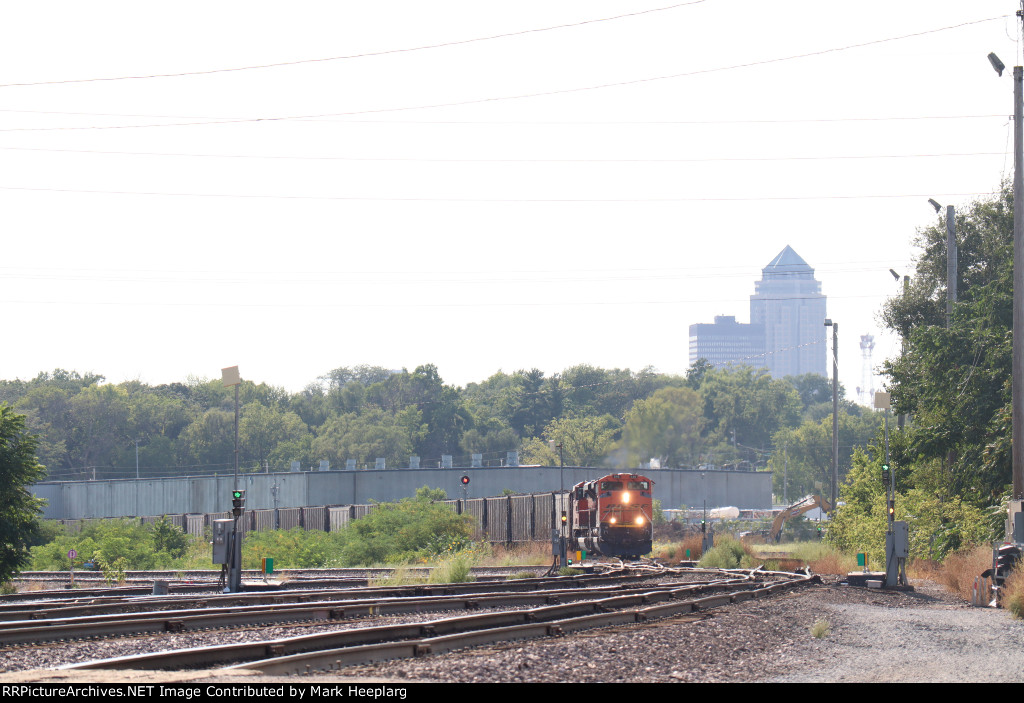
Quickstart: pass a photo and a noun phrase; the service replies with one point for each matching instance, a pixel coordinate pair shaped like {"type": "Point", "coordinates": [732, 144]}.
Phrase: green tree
{"type": "Point", "coordinates": [955, 382]}
{"type": "Point", "coordinates": [937, 525]}
{"type": "Point", "coordinates": [744, 408]}
{"type": "Point", "coordinates": [586, 441]}
{"type": "Point", "coordinates": [803, 455]}
{"type": "Point", "coordinates": [667, 426]}
{"type": "Point", "coordinates": [262, 429]}
{"type": "Point", "coordinates": [375, 433]}
{"type": "Point", "coordinates": [19, 469]}
{"type": "Point", "coordinates": [209, 441]}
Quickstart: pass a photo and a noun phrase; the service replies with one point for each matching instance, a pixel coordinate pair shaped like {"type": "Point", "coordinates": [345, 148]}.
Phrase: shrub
{"type": "Point", "coordinates": [726, 554]}
{"type": "Point", "coordinates": [409, 530]}
{"type": "Point", "coordinates": [291, 549]}
{"type": "Point", "coordinates": [141, 547]}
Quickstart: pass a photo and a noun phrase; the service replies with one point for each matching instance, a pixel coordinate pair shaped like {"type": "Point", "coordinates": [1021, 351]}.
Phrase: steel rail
{"type": "Point", "coordinates": [107, 625]}
{"type": "Point", "coordinates": [157, 607]}
{"type": "Point", "coordinates": [382, 640]}
{"type": "Point", "coordinates": [330, 659]}
{"type": "Point", "coordinates": [91, 605]}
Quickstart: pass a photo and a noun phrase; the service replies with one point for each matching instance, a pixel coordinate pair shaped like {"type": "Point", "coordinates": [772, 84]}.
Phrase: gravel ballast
{"type": "Point", "coordinates": [927, 635]}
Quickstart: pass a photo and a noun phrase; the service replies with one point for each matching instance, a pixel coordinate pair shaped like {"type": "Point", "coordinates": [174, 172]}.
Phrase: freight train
{"type": "Point", "coordinates": [613, 516]}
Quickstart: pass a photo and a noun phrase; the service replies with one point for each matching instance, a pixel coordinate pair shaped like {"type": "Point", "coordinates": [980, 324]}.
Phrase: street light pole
{"type": "Point", "coordinates": [561, 469]}
{"type": "Point", "coordinates": [835, 410]}
{"type": "Point", "coordinates": [1017, 375]}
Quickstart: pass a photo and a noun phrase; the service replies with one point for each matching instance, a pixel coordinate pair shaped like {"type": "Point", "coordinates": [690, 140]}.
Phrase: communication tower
{"type": "Point", "coordinates": [866, 391]}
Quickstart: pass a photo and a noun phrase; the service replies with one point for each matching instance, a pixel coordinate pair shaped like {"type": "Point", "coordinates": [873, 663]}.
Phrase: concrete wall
{"type": "Point", "coordinates": [73, 500]}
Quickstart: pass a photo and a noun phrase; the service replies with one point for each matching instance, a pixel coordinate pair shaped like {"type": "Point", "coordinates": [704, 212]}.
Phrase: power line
{"type": "Point", "coordinates": [354, 198]}
{"type": "Point", "coordinates": [562, 91]}
{"type": "Point", "coordinates": [389, 277]}
{"type": "Point", "coordinates": [532, 123]}
{"type": "Point", "coordinates": [404, 159]}
{"type": "Point", "coordinates": [403, 305]}
{"type": "Point", "coordinates": [386, 52]}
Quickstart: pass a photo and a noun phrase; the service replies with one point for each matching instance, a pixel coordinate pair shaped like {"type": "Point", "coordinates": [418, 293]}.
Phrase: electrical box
{"type": "Point", "coordinates": [1015, 521]}
{"type": "Point", "coordinates": [222, 541]}
{"type": "Point", "coordinates": [901, 534]}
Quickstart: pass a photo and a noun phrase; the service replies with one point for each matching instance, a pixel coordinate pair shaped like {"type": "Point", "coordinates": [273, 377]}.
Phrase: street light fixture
{"type": "Point", "coordinates": [998, 65]}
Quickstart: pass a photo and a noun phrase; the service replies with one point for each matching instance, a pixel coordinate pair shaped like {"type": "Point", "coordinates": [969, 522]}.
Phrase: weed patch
{"type": "Point", "coordinates": [820, 629]}
{"type": "Point", "coordinates": [454, 569]}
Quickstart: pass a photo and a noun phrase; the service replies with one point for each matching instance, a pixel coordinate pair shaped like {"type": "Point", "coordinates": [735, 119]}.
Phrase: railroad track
{"type": "Point", "coordinates": [208, 581]}
{"type": "Point", "coordinates": [255, 574]}
{"type": "Point", "coordinates": [540, 614]}
{"type": "Point", "coordinates": [113, 617]}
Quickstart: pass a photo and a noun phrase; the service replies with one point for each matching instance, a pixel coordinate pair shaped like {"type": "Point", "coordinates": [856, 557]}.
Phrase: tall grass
{"type": "Point", "coordinates": [1013, 592]}
{"type": "Point", "coordinates": [525, 554]}
{"type": "Point", "coordinates": [823, 559]}
{"type": "Point", "coordinates": [400, 576]}
{"type": "Point", "coordinates": [675, 552]}
{"type": "Point", "coordinates": [960, 569]}
{"type": "Point", "coordinates": [454, 569]}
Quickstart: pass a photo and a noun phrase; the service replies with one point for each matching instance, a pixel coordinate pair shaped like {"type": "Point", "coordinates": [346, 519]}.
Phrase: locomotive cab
{"type": "Point", "coordinates": [613, 515]}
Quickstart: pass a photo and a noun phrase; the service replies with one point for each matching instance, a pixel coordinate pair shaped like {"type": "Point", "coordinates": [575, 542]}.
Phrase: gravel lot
{"type": "Point", "coordinates": [927, 635]}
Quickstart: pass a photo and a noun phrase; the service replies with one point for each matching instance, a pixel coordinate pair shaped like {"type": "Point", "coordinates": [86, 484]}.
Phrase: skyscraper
{"type": "Point", "coordinates": [786, 334]}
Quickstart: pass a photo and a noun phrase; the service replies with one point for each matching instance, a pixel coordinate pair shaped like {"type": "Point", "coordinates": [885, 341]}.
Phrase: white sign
{"type": "Point", "coordinates": [230, 376]}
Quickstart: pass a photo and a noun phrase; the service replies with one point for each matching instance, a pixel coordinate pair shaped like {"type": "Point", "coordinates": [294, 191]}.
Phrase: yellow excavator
{"type": "Point", "coordinates": [798, 508]}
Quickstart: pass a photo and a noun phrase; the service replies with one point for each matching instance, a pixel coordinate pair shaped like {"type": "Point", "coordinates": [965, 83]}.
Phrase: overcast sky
{"type": "Point", "coordinates": [295, 187]}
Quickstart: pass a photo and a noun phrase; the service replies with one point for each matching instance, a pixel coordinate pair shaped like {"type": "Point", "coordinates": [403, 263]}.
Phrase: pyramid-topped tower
{"type": "Point", "coordinates": [789, 305]}
{"type": "Point", "coordinates": [786, 333]}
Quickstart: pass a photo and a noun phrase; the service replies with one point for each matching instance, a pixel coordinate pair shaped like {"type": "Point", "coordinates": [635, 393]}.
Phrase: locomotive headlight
{"type": "Point", "coordinates": [639, 519]}
{"type": "Point", "coordinates": [611, 520]}
{"type": "Point", "coordinates": [625, 497]}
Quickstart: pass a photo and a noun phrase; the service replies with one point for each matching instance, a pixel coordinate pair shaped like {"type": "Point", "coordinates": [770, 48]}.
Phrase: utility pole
{"type": "Point", "coordinates": [951, 256]}
{"type": "Point", "coordinates": [1018, 283]}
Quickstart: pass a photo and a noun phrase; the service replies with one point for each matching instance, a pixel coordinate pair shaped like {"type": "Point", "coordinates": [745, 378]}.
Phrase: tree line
{"type": "Point", "coordinates": [952, 458]}
{"type": "Point", "coordinates": [736, 417]}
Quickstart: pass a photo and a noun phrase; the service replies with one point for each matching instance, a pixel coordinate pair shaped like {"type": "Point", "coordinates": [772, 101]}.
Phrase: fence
{"type": "Point", "coordinates": [505, 519]}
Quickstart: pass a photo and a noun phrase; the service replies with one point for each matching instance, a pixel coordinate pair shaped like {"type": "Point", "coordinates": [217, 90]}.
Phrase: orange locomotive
{"type": "Point", "coordinates": [613, 515]}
